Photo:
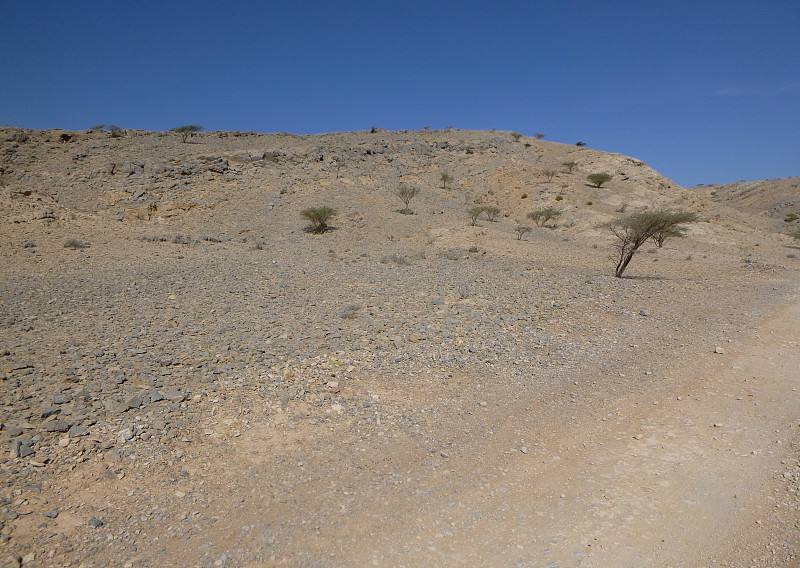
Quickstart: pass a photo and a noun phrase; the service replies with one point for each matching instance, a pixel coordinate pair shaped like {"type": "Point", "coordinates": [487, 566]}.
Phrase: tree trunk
{"type": "Point", "coordinates": [624, 264]}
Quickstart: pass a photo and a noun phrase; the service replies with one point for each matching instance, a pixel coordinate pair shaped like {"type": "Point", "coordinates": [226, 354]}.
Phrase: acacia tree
{"type": "Point", "coordinates": [474, 213]}
{"type": "Point", "coordinates": [445, 178]}
{"type": "Point", "coordinates": [544, 214]}
{"type": "Point", "coordinates": [521, 230]}
{"type": "Point", "coordinates": [406, 193]}
{"type": "Point", "coordinates": [633, 230]}
{"type": "Point", "coordinates": [186, 131]}
{"type": "Point", "coordinates": [569, 165]}
{"type": "Point", "coordinates": [599, 179]}
{"type": "Point", "coordinates": [491, 212]}
{"type": "Point", "coordinates": [549, 174]}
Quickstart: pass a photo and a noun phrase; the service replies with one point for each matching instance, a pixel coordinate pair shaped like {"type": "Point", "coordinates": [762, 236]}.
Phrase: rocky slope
{"type": "Point", "coordinates": [191, 378]}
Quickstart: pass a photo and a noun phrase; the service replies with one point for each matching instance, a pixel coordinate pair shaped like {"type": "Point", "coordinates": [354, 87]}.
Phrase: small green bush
{"type": "Point", "coordinates": [559, 197]}
{"type": "Point", "coordinates": [599, 179]}
{"type": "Point", "coordinates": [791, 217]}
{"type": "Point", "coordinates": [319, 217]}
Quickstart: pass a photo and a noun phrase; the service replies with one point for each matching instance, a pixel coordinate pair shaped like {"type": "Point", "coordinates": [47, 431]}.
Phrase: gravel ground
{"type": "Point", "coordinates": [191, 379]}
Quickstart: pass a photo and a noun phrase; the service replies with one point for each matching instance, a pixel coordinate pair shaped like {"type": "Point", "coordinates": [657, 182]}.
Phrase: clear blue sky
{"type": "Point", "coordinates": [703, 91]}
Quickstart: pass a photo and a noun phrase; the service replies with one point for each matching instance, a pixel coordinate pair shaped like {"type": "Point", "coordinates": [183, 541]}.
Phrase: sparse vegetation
{"type": "Point", "coordinates": [791, 217]}
{"type": "Point", "coordinates": [319, 217]}
{"type": "Point", "coordinates": [580, 144]}
{"type": "Point", "coordinates": [185, 131]}
{"type": "Point", "coordinates": [491, 212]}
{"type": "Point", "coordinates": [395, 259]}
{"type": "Point", "coordinates": [474, 213]}
{"type": "Point", "coordinates": [350, 311]}
{"type": "Point", "coordinates": [445, 178]}
{"type": "Point", "coordinates": [338, 163]}
{"type": "Point", "coordinates": [97, 127]}
{"type": "Point", "coordinates": [521, 230]}
{"type": "Point", "coordinates": [115, 130]}
{"type": "Point", "coordinates": [406, 193]}
{"type": "Point", "coordinates": [633, 230]}
{"type": "Point", "coordinates": [539, 135]}
{"type": "Point", "coordinates": [516, 136]}
{"type": "Point", "coordinates": [599, 179]}
{"type": "Point", "coordinates": [570, 166]}
{"type": "Point", "coordinates": [559, 197]}
{"type": "Point", "coordinates": [549, 174]}
{"type": "Point", "coordinates": [524, 196]}
{"type": "Point", "coordinates": [181, 240]}
{"type": "Point", "coordinates": [544, 214]}
{"type": "Point", "coordinates": [75, 244]}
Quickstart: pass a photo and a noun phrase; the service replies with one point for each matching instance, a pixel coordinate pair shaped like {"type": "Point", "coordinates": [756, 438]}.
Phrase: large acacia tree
{"type": "Point", "coordinates": [633, 230]}
{"type": "Point", "coordinates": [186, 130]}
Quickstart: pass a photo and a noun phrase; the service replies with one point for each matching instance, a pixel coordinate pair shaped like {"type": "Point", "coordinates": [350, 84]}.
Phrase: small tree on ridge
{"type": "Point", "coordinates": [186, 131]}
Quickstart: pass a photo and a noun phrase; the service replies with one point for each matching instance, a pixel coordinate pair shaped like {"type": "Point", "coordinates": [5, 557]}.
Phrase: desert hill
{"type": "Point", "coordinates": [777, 201]}
{"type": "Point", "coordinates": [153, 176]}
{"type": "Point", "coordinates": [189, 377]}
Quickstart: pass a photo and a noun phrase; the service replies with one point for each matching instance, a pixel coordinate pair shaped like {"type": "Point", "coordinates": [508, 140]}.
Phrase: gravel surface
{"type": "Point", "coordinates": [190, 378]}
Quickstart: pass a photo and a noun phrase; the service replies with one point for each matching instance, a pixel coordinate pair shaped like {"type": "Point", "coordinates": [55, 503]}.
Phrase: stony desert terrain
{"type": "Point", "coordinates": [191, 378]}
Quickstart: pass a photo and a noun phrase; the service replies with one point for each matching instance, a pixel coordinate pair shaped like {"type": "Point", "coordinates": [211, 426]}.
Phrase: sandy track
{"type": "Point", "coordinates": [676, 482]}
{"type": "Point", "coordinates": [690, 478]}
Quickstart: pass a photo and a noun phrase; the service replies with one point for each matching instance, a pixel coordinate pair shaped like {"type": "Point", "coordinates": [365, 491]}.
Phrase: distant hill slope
{"type": "Point", "coordinates": [151, 176]}
{"type": "Point", "coordinates": [778, 200]}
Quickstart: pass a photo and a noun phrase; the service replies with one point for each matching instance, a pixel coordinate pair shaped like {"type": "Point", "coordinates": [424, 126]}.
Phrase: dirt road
{"type": "Point", "coordinates": [702, 474]}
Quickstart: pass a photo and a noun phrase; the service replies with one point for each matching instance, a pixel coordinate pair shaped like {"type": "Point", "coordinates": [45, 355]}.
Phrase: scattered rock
{"type": "Point", "coordinates": [95, 523]}
{"type": "Point", "coordinates": [21, 448]}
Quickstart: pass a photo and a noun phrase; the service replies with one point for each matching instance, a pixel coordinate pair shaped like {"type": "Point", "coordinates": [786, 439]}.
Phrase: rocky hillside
{"type": "Point", "coordinates": [242, 181]}
{"type": "Point", "coordinates": [776, 201]}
